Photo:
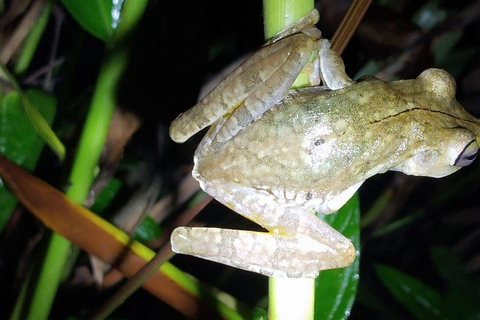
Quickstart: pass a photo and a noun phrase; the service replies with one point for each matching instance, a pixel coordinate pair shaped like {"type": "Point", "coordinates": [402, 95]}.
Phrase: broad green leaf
{"type": "Point", "coordinates": [98, 17]}
{"type": "Point", "coordinates": [34, 116]}
{"type": "Point", "coordinates": [335, 290]}
{"type": "Point", "coordinates": [451, 269]}
{"type": "Point", "coordinates": [260, 311]}
{"type": "Point", "coordinates": [421, 300]}
{"type": "Point", "coordinates": [19, 141]}
{"type": "Point", "coordinates": [8, 203]}
{"type": "Point", "coordinates": [460, 305]}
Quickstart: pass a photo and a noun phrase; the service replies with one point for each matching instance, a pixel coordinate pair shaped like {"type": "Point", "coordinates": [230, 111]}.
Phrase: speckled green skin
{"type": "Point", "coordinates": [319, 143]}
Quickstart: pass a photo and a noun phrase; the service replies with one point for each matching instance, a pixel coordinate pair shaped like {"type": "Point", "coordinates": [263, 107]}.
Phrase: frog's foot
{"type": "Point", "coordinates": [311, 70]}
{"type": "Point", "coordinates": [306, 24]}
{"type": "Point", "coordinates": [266, 253]}
{"type": "Point", "coordinates": [332, 68]}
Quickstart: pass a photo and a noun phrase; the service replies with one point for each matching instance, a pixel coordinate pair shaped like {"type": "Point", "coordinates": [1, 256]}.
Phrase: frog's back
{"type": "Point", "coordinates": [322, 142]}
{"type": "Point", "coordinates": [300, 143]}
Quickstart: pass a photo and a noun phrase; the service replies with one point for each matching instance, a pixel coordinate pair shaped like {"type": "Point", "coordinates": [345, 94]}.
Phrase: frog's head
{"type": "Point", "coordinates": [451, 139]}
{"type": "Point", "coordinates": [457, 149]}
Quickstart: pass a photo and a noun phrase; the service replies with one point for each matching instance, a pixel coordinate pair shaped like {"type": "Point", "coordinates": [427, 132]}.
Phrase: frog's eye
{"type": "Point", "coordinates": [468, 154]}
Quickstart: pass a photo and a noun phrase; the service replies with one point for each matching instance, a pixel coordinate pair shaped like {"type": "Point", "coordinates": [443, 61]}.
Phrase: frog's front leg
{"type": "Point", "coordinates": [298, 243]}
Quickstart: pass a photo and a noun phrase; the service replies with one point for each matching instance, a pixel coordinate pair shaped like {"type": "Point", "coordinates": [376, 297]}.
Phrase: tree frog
{"type": "Point", "coordinates": [276, 156]}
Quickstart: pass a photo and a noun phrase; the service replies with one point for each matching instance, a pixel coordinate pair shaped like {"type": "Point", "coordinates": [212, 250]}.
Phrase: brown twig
{"type": "Point", "coordinates": [59, 18]}
{"type": "Point", "coordinates": [349, 24]}
{"type": "Point", "coordinates": [21, 32]}
{"type": "Point", "coordinates": [163, 255]}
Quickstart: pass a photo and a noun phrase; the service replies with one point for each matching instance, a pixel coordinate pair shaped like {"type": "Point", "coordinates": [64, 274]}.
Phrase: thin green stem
{"type": "Point", "coordinates": [88, 153]}
{"type": "Point", "coordinates": [288, 298]}
{"type": "Point", "coordinates": [291, 298]}
{"type": "Point", "coordinates": [49, 278]}
{"type": "Point", "coordinates": [33, 39]}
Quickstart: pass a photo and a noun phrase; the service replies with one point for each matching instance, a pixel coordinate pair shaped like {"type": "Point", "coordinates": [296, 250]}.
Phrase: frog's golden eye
{"type": "Point", "coordinates": [468, 154]}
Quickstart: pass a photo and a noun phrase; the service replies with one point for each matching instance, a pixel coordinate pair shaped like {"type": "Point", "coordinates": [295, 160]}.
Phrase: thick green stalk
{"type": "Point", "coordinates": [88, 153]}
{"type": "Point", "coordinates": [280, 13]}
{"type": "Point", "coordinates": [288, 298]}
{"type": "Point", "coordinates": [97, 125]}
{"type": "Point", "coordinates": [291, 298]}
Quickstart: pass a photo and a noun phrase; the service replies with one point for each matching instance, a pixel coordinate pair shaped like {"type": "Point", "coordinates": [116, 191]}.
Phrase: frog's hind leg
{"type": "Point", "coordinates": [306, 24]}
{"type": "Point", "coordinates": [261, 252]}
{"type": "Point", "coordinates": [298, 243]}
{"type": "Point", "coordinates": [271, 91]}
{"type": "Point", "coordinates": [250, 90]}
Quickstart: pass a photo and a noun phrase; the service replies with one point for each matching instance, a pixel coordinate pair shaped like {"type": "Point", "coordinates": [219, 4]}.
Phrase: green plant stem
{"type": "Point", "coordinates": [89, 150]}
{"type": "Point", "coordinates": [97, 125]}
{"type": "Point", "coordinates": [81, 178]}
{"type": "Point", "coordinates": [33, 39]}
{"type": "Point", "coordinates": [280, 13]}
{"type": "Point", "coordinates": [291, 298]}
{"type": "Point", "coordinates": [288, 298]}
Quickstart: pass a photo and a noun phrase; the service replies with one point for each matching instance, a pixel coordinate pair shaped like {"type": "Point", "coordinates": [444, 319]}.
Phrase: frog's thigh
{"type": "Point", "coordinates": [299, 244]}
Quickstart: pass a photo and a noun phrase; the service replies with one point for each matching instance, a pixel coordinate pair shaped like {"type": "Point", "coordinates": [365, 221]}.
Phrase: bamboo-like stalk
{"type": "Point", "coordinates": [288, 298]}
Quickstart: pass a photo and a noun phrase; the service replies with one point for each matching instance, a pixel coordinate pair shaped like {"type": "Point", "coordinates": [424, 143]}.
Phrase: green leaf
{"type": "Point", "coordinates": [19, 141]}
{"type": "Point", "coordinates": [260, 311]}
{"type": "Point", "coordinates": [421, 300]}
{"type": "Point", "coordinates": [35, 118]}
{"type": "Point", "coordinates": [397, 224]}
{"type": "Point", "coordinates": [106, 196]}
{"type": "Point", "coordinates": [8, 203]}
{"type": "Point", "coordinates": [148, 231]}
{"type": "Point", "coordinates": [335, 290]}
{"type": "Point", "coordinates": [98, 17]}
{"type": "Point", "coordinates": [451, 269]}
{"type": "Point", "coordinates": [460, 305]}
{"type": "Point", "coordinates": [464, 292]}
